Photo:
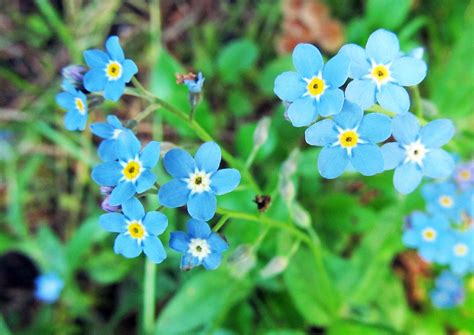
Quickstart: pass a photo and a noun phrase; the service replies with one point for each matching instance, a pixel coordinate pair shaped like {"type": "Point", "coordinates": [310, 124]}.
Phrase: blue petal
{"type": "Point", "coordinates": [393, 155]}
{"type": "Point", "coordinates": [72, 120]}
{"type": "Point", "coordinates": [375, 127]}
{"type": "Point", "coordinates": [198, 229]}
{"type": "Point", "coordinates": [407, 177]}
{"type": "Point", "coordinates": [394, 98]}
{"type": "Point", "coordinates": [208, 157]}
{"type": "Point", "coordinates": [81, 121]}
{"type": "Point", "coordinates": [114, 49]}
{"type": "Point", "coordinates": [173, 194]}
{"type": "Point", "coordinates": [95, 80]}
{"type": "Point", "coordinates": [107, 174]}
{"type": "Point", "coordinates": [302, 111]}
{"type": "Point", "coordinates": [188, 262]}
{"type": "Point", "coordinates": [361, 92]}
{"type": "Point", "coordinates": [322, 133]}
{"type": "Point", "coordinates": [332, 162]}
{"type": "Point", "coordinates": [114, 121]}
{"type": "Point", "coordinates": [127, 246]}
{"type": "Point", "coordinates": [330, 102]}
{"type": "Point", "coordinates": [113, 222]}
{"type": "Point", "coordinates": [217, 244]}
{"type": "Point", "coordinates": [438, 164]}
{"type": "Point", "coordinates": [95, 58]}
{"type": "Point", "coordinates": [145, 181]}
{"type": "Point", "coordinates": [153, 248]}
{"type": "Point", "coordinates": [155, 222]}
{"type": "Point", "coordinates": [408, 71]}
{"type": "Point", "coordinates": [102, 129]}
{"type": "Point", "coordinates": [107, 150]}
{"type": "Point", "coordinates": [133, 209]}
{"type": "Point", "coordinates": [382, 46]}
{"type": "Point", "coordinates": [349, 117]}
{"type": "Point", "coordinates": [307, 60]}
{"type": "Point", "coordinates": [429, 191]}
{"type": "Point", "coordinates": [65, 100]}
{"type": "Point", "coordinates": [225, 180]}
{"type": "Point", "coordinates": [411, 238]}
{"type": "Point", "coordinates": [150, 154]}
{"type": "Point", "coordinates": [179, 163]}
{"type": "Point", "coordinates": [114, 89]}
{"type": "Point", "coordinates": [367, 159]}
{"type": "Point", "coordinates": [289, 86]}
{"type": "Point", "coordinates": [437, 133]}
{"type": "Point", "coordinates": [427, 252]}
{"type": "Point", "coordinates": [212, 261]}
{"type": "Point", "coordinates": [359, 65]}
{"type": "Point", "coordinates": [124, 191]}
{"type": "Point", "coordinates": [405, 128]}
{"type": "Point", "coordinates": [128, 146]}
{"type": "Point", "coordinates": [336, 70]}
{"type": "Point", "coordinates": [179, 241]}
{"type": "Point", "coordinates": [129, 70]}
{"type": "Point", "coordinates": [202, 206]}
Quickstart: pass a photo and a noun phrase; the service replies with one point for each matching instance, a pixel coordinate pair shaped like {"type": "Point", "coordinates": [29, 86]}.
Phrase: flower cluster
{"type": "Point", "coordinates": [448, 291]}
{"type": "Point", "coordinates": [349, 138]}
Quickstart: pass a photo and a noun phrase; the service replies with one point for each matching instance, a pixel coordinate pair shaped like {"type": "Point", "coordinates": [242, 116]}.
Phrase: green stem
{"type": "Point", "coordinates": [251, 158]}
{"type": "Point", "coordinates": [149, 297]}
{"type": "Point", "coordinates": [416, 105]}
{"type": "Point", "coordinates": [221, 222]}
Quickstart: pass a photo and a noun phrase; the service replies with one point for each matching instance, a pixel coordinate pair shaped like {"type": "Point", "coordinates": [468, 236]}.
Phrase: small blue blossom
{"type": "Point", "coordinates": [75, 103]}
{"type": "Point", "coordinates": [109, 131]}
{"type": "Point", "coordinates": [380, 72]}
{"type": "Point", "coordinates": [199, 246]}
{"type": "Point", "coordinates": [442, 198]}
{"type": "Point", "coordinates": [464, 175]}
{"type": "Point", "coordinates": [195, 85]}
{"type": "Point", "coordinates": [137, 230]}
{"type": "Point", "coordinates": [459, 250]}
{"type": "Point", "coordinates": [73, 75]}
{"type": "Point", "coordinates": [132, 172]}
{"type": "Point", "coordinates": [448, 291]}
{"type": "Point", "coordinates": [197, 180]}
{"type": "Point", "coordinates": [314, 89]}
{"type": "Point", "coordinates": [110, 71]}
{"type": "Point", "coordinates": [350, 137]}
{"type": "Point", "coordinates": [417, 151]}
{"type": "Point", "coordinates": [48, 287]}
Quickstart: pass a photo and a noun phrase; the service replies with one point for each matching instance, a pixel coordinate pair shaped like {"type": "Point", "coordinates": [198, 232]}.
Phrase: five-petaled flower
{"type": "Point", "coordinates": [48, 287]}
{"type": "Point", "coordinates": [132, 172]}
{"type": "Point", "coordinates": [314, 89]}
{"type": "Point", "coordinates": [110, 71]}
{"type": "Point", "coordinates": [380, 71]}
{"type": "Point", "coordinates": [109, 131]}
{"type": "Point", "coordinates": [137, 230]}
{"type": "Point", "coordinates": [417, 151]}
{"type": "Point", "coordinates": [75, 103]}
{"type": "Point", "coordinates": [464, 175]}
{"type": "Point", "coordinates": [197, 180]}
{"type": "Point", "coordinates": [199, 246]}
{"type": "Point", "coordinates": [350, 137]}
{"type": "Point", "coordinates": [459, 249]}
{"type": "Point", "coordinates": [443, 199]}
{"type": "Point", "coordinates": [195, 85]}
{"type": "Point", "coordinates": [448, 291]}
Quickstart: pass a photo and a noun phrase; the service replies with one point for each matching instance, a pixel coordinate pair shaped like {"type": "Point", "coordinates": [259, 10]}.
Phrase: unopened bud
{"type": "Point", "coordinates": [242, 261]}
{"type": "Point", "coordinates": [106, 206]}
{"type": "Point", "coordinates": [73, 75]}
{"type": "Point", "coordinates": [260, 134]}
{"type": "Point", "coordinates": [288, 167]}
{"type": "Point", "coordinates": [274, 267]}
{"type": "Point", "coordinates": [287, 190]}
{"type": "Point", "coordinates": [300, 215]}
{"type": "Point", "coordinates": [106, 190]}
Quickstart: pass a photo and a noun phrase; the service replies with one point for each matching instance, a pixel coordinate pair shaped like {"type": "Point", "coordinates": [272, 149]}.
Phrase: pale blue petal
{"type": "Point", "coordinates": [302, 111]}
{"type": "Point", "coordinates": [128, 146]}
{"type": "Point", "coordinates": [114, 121]}
{"type": "Point", "coordinates": [393, 155]}
{"type": "Point", "coordinates": [361, 92]}
{"type": "Point", "coordinates": [411, 238]}
{"type": "Point", "coordinates": [405, 128]}
{"type": "Point", "coordinates": [359, 65]}
{"type": "Point", "coordinates": [112, 222]}
{"type": "Point", "coordinates": [95, 80]}
{"type": "Point", "coordinates": [427, 252]}
{"type": "Point", "coordinates": [322, 133]}
{"type": "Point", "coordinates": [179, 241]}
{"type": "Point", "coordinates": [188, 262]}
{"type": "Point", "coordinates": [225, 180]}
{"type": "Point", "coordinates": [198, 229]}
{"type": "Point", "coordinates": [330, 102]}
{"type": "Point", "coordinates": [437, 133]}
{"type": "Point", "coordinates": [307, 60]}
{"type": "Point", "coordinates": [382, 46]}
{"type": "Point", "coordinates": [407, 177]}
{"type": "Point", "coordinates": [375, 127]}
{"type": "Point", "coordinates": [336, 70]}
{"type": "Point", "coordinates": [438, 164]}
{"type": "Point", "coordinates": [408, 71]}
{"type": "Point", "coordinates": [217, 243]}
{"type": "Point", "coordinates": [114, 89]}
{"type": "Point", "coordinates": [107, 150]}
{"type": "Point", "coordinates": [72, 120]}
{"type": "Point", "coordinates": [179, 163]}
{"type": "Point", "coordinates": [150, 154]}
{"type": "Point", "coordinates": [212, 261]}
{"type": "Point", "coordinates": [124, 191]}
{"type": "Point", "coordinates": [173, 194]}
{"type": "Point", "coordinates": [127, 246]}
{"type": "Point", "coordinates": [155, 222]}
{"type": "Point", "coordinates": [367, 159]}
{"type": "Point", "coordinates": [153, 248]}
{"type": "Point", "coordinates": [114, 49]}
{"type": "Point", "coordinates": [350, 116]}
{"type": "Point", "coordinates": [145, 181]}
{"type": "Point", "coordinates": [81, 121]}
{"type": "Point", "coordinates": [129, 70]}
{"type": "Point", "coordinates": [208, 157]}
{"type": "Point", "coordinates": [289, 86]}
{"type": "Point", "coordinates": [393, 98]}
{"type": "Point", "coordinates": [102, 129]}
{"type": "Point", "coordinates": [65, 100]}
{"type": "Point", "coordinates": [332, 162]}
{"type": "Point", "coordinates": [95, 58]}
{"type": "Point", "coordinates": [202, 206]}
{"type": "Point", "coordinates": [107, 174]}
{"type": "Point", "coordinates": [133, 209]}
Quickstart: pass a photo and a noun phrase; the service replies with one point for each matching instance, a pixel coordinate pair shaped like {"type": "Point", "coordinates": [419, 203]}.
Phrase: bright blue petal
{"type": "Point", "coordinates": [188, 262]}
{"type": "Point", "coordinates": [179, 241]}
{"type": "Point", "coordinates": [114, 89]}
{"type": "Point", "coordinates": [127, 246]}
{"type": "Point", "coordinates": [72, 120]}
{"type": "Point", "coordinates": [336, 70]}
{"type": "Point", "coordinates": [81, 121]}
{"type": "Point", "coordinates": [133, 209]}
{"type": "Point", "coordinates": [128, 146]}
{"type": "Point", "coordinates": [430, 191]}
{"type": "Point", "coordinates": [361, 92]}
{"type": "Point", "coordinates": [198, 229]}
{"type": "Point", "coordinates": [382, 46]}
{"type": "Point", "coordinates": [173, 194]}
{"type": "Point", "coordinates": [437, 133]}
{"type": "Point", "coordinates": [107, 174]}
{"type": "Point", "coordinates": [332, 162]}
{"type": "Point", "coordinates": [95, 58]}
{"type": "Point", "coordinates": [322, 133]}
{"type": "Point", "coordinates": [150, 154]}
{"type": "Point", "coordinates": [114, 49]}
{"type": "Point", "coordinates": [114, 121]}
{"type": "Point", "coordinates": [375, 127]}
{"type": "Point", "coordinates": [405, 128]}
{"type": "Point", "coordinates": [124, 191]}
{"type": "Point", "coordinates": [179, 163]}
{"type": "Point", "coordinates": [427, 252]}
{"type": "Point", "coordinates": [107, 150]}
{"type": "Point", "coordinates": [349, 117]}
{"type": "Point", "coordinates": [102, 129]}
{"type": "Point", "coordinates": [202, 206]}
{"type": "Point", "coordinates": [367, 159]}
{"type": "Point", "coordinates": [302, 111]}
{"type": "Point", "coordinates": [155, 223]}
{"type": "Point", "coordinates": [408, 71]}
{"type": "Point", "coordinates": [225, 180]}
{"type": "Point", "coordinates": [330, 102]}
{"type": "Point", "coordinates": [95, 80]}
{"type": "Point", "coordinates": [212, 261]}
{"type": "Point", "coordinates": [217, 244]}
{"type": "Point", "coordinates": [153, 248]}
{"type": "Point", "coordinates": [129, 70]}
{"type": "Point", "coordinates": [112, 222]}
{"type": "Point", "coordinates": [145, 181]}
{"type": "Point", "coordinates": [393, 98]}
{"type": "Point", "coordinates": [289, 86]}
{"type": "Point", "coordinates": [208, 157]}
{"type": "Point", "coordinates": [411, 238]}
{"type": "Point", "coordinates": [307, 60]}
{"type": "Point", "coordinates": [65, 100]}
{"type": "Point", "coordinates": [359, 66]}
{"type": "Point", "coordinates": [407, 177]}
{"type": "Point", "coordinates": [438, 164]}
{"type": "Point", "coordinates": [393, 155]}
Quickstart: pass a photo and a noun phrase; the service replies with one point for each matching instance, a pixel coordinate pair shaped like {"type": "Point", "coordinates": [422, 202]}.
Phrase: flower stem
{"type": "Point", "coordinates": [221, 222]}
{"type": "Point", "coordinates": [149, 297]}
{"type": "Point", "coordinates": [416, 106]}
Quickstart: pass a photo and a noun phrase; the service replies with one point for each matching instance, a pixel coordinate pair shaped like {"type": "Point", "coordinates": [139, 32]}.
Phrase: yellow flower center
{"type": "Point", "coordinates": [348, 139]}
{"type": "Point", "coordinates": [136, 230]}
{"type": "Point", "coordinates": [316, 86]}
{"type": "Point", "coordinates": [79, 105]}
{"type": "Point", "coordinates": [446, 201]}
{"type": "Point", "coordinates": [113, 70]}
{"type": "Point", "coordinates": [380, 73]}
{"type": "Point", "coordinates": [429, 234]}
{"type": "Point", "coordinates": [465, 175]}
{"type": "Point", "coordinates": [460, 249]}
{"type": "Point", "coordinates": [131, 170]}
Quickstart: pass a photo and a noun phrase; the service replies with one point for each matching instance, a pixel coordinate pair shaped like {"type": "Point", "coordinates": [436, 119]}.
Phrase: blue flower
{"type": "Point", "coordinates": [443, 199]}
{"type": "Point", "coordinates": [137, 230]}
{"type": "Point", "coordinates": [380, 71]}
{"type": "Point", "coordinates": [132, 172]}
{"type": "Point", "coordinates": [110, 71]}
{"type": "Point", "coordinates": [109, 131]}
{"type": "Point", "coordinates": [73, 75]}
{"type": "Point", "coordinates": [195, 85]}
{"type": "Point", "coordinates": [460, 251]}
{"type": "Point", "coordinates": [417, 151]}
{"type": "Point", "coordinates": [427, 234]}
{"type": "Point", "coordinates": [48, 287]}
{"type": "Point", "coordinates": [199, 246]}
{"type": "Point", "coordinates": [448, 291]}
{"type": "Point", "coordinates": [197, 181]}
{"type": "Point", "coordinates": [350, 137]}
{"type": "Point", "coordinates": [464, 175]}
{"type": "Point", "coordinates": [75, 103]}
{"type": "Point", "coordinates": [314, 89]}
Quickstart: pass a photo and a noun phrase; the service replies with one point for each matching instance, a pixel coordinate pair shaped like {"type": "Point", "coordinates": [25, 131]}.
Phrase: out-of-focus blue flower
{"type": "Point", "coordinates": [132, 172]}
{"type": "Point", "coordinates": [137, 230]}
{"type": "Point", "coordinates": [380, 72]}
{"type": "Point", "coordinates": [73, 75]}
{"type": "Point", "coordinates": [48, 287]}
{"type": "Point", "coordinates": [427, 234]}
{"type": "Point", "coordinates": [199, 246]}
{"type": "Point", "coordinates": [459, 249]}
{"type": "Point", "coordinates": [110, 71]}
{"type": "Point", "coordinates": [109, 131]}
{"type": "Point", "coordinates": [350, 137]}
{"type": "Point", "coordinates": [448, 291]}
{"type": "Point", "coordinates": [314, 88]}
{"type": "Point", "coordinates": [195, 85]}
{"type": "Point", "coordinates": [417, 151]}
{"type": "Point", "coordinates": [442, 198]}
{"type": "Point", "coordinates": [464, 175]}
{"type": "Point", "coordinates": [197, 180]}
{"type": "Point", "coordinates": [75, 103]}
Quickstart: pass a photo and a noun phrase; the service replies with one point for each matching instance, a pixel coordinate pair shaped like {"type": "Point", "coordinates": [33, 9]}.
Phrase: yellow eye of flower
{"type": "Point", "coordinates": [113, 70]}
{"type": "Point", "coordinates": [348, 139]}
{"type": "Point", "coordinates": [465, 175]}
{"type": "Point", "coordinates": [380, 73]}
{"type": "Point", "coordinates": [460, 249]}
{"type": "Point", "coordinates": [429, 234]}
{"type": "Point", "coordinates": [316, 86]}
{"type": "Point", "coordinates": [79, 105]}
{"type": "Point", "coordinates": [131, 170]}
{"type": "Point", "coordinates": [136, 230]}
{"type": "Point", "coordinates": [446, 201]}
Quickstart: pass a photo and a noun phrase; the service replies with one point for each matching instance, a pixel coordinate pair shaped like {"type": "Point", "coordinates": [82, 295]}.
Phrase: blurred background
{"type": "Point", "coordinates": [267, 283]}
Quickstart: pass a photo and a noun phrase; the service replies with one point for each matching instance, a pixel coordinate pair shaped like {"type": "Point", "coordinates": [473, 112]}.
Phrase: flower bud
{"type": "Point", "coordinates": [73, 75]}
{"type": "Point", "coordinates": [288, 167]}
{"type": "Point", "coordinates": [287, 190]}
{"type": "Point", "coordinates": [106, 206]}
{"type": "Point", "coordinates": [242, 261]}
{"type": "Point", "coordinates": [300, 215]}
{"type": "Point", "coordinates": [274, 267]}
{"type": "Point", "coordinates": [106, 190]}
{"type": "Point", "coordinates": [260, 134]}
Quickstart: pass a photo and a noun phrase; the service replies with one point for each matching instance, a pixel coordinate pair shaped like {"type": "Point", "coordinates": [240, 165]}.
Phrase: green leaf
{"type": "Point", "coordinates": [357, 328]}
{"type": "Point", "coordinates": [267, 78]}
{"type": "Point", "coordinates": [100, 270]}
{"type": "Point", "coordinates": [388, 14]}
{"type": "Point", "coordinates": [236, 58]}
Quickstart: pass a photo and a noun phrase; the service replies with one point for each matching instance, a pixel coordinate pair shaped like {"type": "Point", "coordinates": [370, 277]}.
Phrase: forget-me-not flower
{"type": "Point", "coordinates": [110, 71]}
{"type": "Point", "coordinates": [448, 291]}
{"type": "Point", "coordinates": [464, 175]}
{"type": "Point", "coordinates": [380, 71]}
{"type": "Point", "coordinates": [199, 246]}
{"type": "Point", "coordinates": [132, 172]}
{"type": "Point", "coordinates": [459, 249]}
{"type": "Point", "coordinates": [109, 131]}
{"type": "Point", "coordinates": [48, 287]}
{"type": "Point", "coordinates": [195, 85]}
{"type": "Point", "coordinates": [75, 104]}
{"type": "Point", "coordinates": [197, 180]}
{"type": "Point", "coordinates": [137, 230]}
{"type": "Point", "coordinates": [314, 89]}
{"type": "Point", "coordinates": [442, 198]}
{"type": "Point", "coordinates": [417, 151]}
{"type": "Point", "coordinates": [350, 137]}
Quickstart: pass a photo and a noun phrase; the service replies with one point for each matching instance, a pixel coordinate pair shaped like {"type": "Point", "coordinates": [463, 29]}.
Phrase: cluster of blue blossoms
{"type": "Point", "coordinates": [348, 137]}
